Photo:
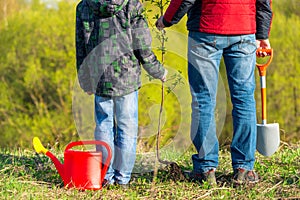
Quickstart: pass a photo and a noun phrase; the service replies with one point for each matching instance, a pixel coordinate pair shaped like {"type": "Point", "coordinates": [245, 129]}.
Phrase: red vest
{"type": "Point", "coordinates": [228, 16]}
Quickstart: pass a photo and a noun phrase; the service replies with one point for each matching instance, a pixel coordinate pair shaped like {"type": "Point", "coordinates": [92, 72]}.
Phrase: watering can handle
{"type": "Point", "coordinates": [263, 67]}
{"type": "Point", "coordinates": [96, 142]}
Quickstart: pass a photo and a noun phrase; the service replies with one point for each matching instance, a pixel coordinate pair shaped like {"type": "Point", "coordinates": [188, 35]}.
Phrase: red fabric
{"type": "Point", "coordinates": [172, 9]}
{"type": "Point", "coordinates": [228, 16]}
{"type": "Point", "coordinates": [219, 16]}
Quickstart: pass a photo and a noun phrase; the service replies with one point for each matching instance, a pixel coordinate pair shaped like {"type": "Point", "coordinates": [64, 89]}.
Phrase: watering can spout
{"type": "Point", "coordinates": [39, 148]}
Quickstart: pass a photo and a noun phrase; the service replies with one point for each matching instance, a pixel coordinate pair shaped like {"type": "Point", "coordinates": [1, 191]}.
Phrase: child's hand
{"type": "Point", "coordinates": [89, 93]}
{"type": "Point", "coordinates": [164, 78]}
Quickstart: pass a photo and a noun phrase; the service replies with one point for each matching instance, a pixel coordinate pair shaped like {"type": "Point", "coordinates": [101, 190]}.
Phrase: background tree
{"type": "Point", "coordinates": [37, 75]}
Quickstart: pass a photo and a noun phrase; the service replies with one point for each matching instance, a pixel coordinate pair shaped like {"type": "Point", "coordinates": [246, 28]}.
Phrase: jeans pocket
{"type": "Point", "coordinates": [203, 49]}
{"type": "Point", "coordinates": [247, 44]}
{"type": "Point", "coordinates": [202, 44]}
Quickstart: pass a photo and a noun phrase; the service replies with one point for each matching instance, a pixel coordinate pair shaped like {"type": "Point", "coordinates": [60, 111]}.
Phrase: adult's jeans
{"type": "Point", "coordinates": [204, 55]}
{"type": "Point", "coordinates": [117, 124]}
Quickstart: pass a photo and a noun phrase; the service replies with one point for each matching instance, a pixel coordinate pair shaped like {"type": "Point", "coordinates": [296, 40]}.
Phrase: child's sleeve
{"type": "Point", "coordinates": [83, 71]}
{"type": "Point", "coordinates": [79, 39]}
{"type": "Point", "coordinates": [142, 45]}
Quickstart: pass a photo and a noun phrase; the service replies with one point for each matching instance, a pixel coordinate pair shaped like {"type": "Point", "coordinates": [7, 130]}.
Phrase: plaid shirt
{"type": "Point", "coordinates": [112, 43]}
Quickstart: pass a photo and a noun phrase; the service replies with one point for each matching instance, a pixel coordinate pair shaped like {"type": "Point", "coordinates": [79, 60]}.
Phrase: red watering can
{"type": "Point", "coordinates": [83, 170]}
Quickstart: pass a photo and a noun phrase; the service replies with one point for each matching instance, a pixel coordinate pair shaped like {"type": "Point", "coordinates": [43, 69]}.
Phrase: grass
{"type": "Point", "coordinates": [24, 175]}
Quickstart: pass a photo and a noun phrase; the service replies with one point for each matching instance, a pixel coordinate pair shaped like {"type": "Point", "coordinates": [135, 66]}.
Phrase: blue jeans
{"type": "Point", "coordinates": [117, 124]}
{"type": "Point", "coordinates": [204, 54]}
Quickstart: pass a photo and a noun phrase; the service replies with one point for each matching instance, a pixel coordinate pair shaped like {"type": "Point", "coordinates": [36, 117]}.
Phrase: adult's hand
{"type": "Point", "coordinates": [159, 23]}
{"type": "Point", "coordinates": [262, 44]}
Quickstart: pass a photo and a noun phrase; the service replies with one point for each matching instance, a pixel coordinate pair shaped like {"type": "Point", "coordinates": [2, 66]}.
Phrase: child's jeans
{"type": "Point", "coordinates": [117, 124]}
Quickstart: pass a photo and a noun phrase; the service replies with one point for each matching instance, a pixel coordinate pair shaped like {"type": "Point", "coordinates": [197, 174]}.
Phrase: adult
{"type": "Point", "coordinates": [231, 29]}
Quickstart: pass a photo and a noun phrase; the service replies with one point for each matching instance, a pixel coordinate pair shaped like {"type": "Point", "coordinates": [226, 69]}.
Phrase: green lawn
{"type": "Point", "coordinates": [24, 175]}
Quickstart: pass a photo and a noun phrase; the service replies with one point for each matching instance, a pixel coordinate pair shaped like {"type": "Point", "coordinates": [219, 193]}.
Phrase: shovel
{"type": "Point", "coordinates": [268, 135]}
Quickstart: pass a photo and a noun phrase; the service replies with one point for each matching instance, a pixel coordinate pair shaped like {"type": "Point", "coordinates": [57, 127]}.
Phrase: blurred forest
{"type": "Point", "coordinates": [40, 95]}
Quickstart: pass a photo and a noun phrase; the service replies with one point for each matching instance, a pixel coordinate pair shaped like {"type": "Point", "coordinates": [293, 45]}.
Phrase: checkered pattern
{"type": "Point", "coordinates": [111, 43]}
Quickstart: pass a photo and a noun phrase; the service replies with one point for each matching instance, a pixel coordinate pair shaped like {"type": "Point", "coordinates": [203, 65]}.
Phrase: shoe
{"type": "Point", "coordinates": [106, 184]}
{"type": "Point", "coordinates": [208, 177]}
{"type": "Point", "coordinates": [243, 176]}
{"type": "Point", "coordinates": [124, 186]}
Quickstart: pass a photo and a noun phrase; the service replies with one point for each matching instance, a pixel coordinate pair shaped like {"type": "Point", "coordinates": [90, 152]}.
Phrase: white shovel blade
{"type": "Point", "coordinates": [268, 138]}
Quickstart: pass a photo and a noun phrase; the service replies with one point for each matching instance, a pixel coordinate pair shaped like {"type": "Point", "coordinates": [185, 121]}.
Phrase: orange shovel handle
{"type": "Point", "coordinates": [262, 73]}
{"type": "Point", "coordinates": [263, 67]}
{"type": "Point", "coordinates": [264, 105]}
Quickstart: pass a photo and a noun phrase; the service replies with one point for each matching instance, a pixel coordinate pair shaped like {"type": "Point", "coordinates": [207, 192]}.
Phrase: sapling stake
{"type": "Point", "coordinates": [175, 171]}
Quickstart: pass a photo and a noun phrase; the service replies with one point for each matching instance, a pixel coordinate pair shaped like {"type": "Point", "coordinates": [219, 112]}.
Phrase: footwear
{"type": "Point", "coordinates": [243, 176]}
{"type": "Point", "coordinates": [124, 186]}
{"type": "Point", "coordinates": [106, 184]}
{"type": "Point", "coordinates": [208, 177]}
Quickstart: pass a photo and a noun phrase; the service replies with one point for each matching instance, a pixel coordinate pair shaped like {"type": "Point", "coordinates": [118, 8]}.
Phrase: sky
{"type": "Point", "coordinates": [49, 3]}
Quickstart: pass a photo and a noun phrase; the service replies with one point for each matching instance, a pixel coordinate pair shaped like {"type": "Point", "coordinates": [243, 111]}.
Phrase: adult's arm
{"type": "Point", "coordinates": [263, 19]}
{"type": "Point", "coordinates": [175, 11]}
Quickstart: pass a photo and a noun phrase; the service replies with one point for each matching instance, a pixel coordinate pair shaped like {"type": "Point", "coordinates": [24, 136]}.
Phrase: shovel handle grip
{"type": "Point", "coordinates": [262, 68]}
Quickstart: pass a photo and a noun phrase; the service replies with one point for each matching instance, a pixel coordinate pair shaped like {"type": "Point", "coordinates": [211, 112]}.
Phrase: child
{"type": "Point", "coordinates": [112, 40]}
